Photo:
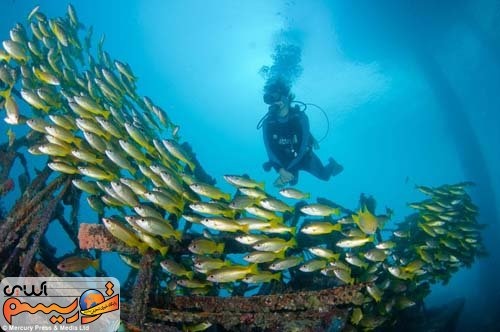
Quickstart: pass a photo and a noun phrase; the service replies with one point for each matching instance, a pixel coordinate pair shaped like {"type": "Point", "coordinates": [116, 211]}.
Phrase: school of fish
{"type": "Point", "coordinates": [124, 152]}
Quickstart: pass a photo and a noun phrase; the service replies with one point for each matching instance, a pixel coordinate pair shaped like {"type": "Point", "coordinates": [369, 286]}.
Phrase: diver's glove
{"type": "Point", "coordinates": [279, 183]}
{"type": "Point", "coordinates": [285, 175]}
{"type": "Point", "coordinates": [285, 178]}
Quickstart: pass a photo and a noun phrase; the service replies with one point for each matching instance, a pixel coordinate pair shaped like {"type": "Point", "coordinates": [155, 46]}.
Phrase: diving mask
{"type": "Point", "coordinates": [271, 98]}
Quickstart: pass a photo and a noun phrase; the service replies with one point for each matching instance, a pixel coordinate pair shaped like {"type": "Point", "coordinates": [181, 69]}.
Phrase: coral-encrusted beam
{"type": "Point", "coordinates": [95, 236]}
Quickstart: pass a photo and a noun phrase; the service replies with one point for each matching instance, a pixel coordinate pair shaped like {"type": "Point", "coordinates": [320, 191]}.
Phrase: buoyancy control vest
{"type": "Point", "coordinates": [285, 137]}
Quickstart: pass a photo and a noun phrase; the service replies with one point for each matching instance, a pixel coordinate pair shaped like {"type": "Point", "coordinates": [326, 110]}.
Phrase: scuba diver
{"type": "Point", "coordinates": [289, 143]}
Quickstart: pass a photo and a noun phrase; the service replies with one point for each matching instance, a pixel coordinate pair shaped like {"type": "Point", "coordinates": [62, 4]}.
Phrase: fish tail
{"type": "Point", "coordinates": [261, 185]}
{"type": "Point", "coordinates": [178, 235]}
{"type": "Point", "coordinates": [355, 218]}
{"type": "Point", "coordinates": [5, 93]}
{"type": "Point", "coordinates": [229, 213]}
{"type": "Point", "coordinates": [78, 142]}
{"type": "Point", "coordinates": [292, 242]}
{"type": "Point", "coordinates": [150, 149]}
{"type": "Point", "coordinates": [5, 57]}
{"type": "Point", "coordinates": [111, 176]}
{"type": "Point", "coordinates": [142, 248]}
{"type": "Point", "coordinates": [272, 223]}
{"type": "Point", "coordinates": [277, 276]}
{"type": "Point", "coordinates": [293, 230]}
{"type": "Point", "coordinates": [245, 228]}
{"type": "Point", "coordinates": [190, 275]}
{"type": "Point", "coordinates": [163, 250]}
{"type": "Point", "coordinates": [95, 264]}
{"type": "Point", "coordinates": [220, 247]}
{"type": "Point", "coordinates": [281, 254]}
{"type": "Point", "coordinates": [253, 269]}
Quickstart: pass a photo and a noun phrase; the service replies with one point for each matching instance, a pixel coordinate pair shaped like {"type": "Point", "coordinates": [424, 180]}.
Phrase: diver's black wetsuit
{"type": "Point", "coordinates": [289, 145]}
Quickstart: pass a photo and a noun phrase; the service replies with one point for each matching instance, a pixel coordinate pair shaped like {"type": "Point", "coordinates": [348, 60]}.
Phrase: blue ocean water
{"type": "Point", "coordinates": [410, 89]}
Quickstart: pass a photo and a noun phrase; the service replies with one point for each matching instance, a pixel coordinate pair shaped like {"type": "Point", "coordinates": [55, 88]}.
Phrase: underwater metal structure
{"type": "Point", "coordinates": [121, 153]}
